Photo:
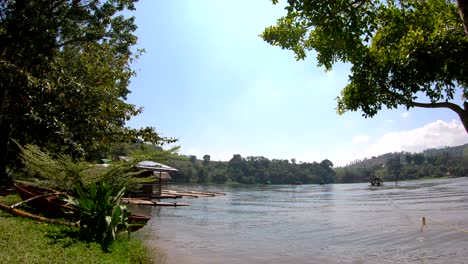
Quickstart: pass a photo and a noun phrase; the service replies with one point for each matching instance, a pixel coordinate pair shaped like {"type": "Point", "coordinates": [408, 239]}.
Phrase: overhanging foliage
{"type": "Point", "coordinates": [410, 53]}
{"type": "Point", "coordinates": [65, 67]}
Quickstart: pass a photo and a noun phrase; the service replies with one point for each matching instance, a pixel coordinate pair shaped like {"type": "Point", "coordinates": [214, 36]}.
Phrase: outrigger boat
{"type": "Point", "coordinates": [45, 200]}
{"type": "Point", "coordinates": [48, 201]}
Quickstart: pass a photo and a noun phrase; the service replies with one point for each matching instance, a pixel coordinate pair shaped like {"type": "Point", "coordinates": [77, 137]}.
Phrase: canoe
{"type": "Point", "coordinates": [53, 206]}
{"type": "Point", "coordinates": [48, 204]}
{"type": "Point", "coordinates": [137, 222]}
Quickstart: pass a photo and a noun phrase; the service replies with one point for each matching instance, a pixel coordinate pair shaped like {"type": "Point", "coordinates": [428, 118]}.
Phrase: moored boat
{"type": "Point", "coordinates": [48, 201]}
{"type": "Point", "coordinates": [137, 222]}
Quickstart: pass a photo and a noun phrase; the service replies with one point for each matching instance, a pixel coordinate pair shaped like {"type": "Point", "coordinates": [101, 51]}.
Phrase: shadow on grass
{"type": "Point", "coordinates": [65, 237]}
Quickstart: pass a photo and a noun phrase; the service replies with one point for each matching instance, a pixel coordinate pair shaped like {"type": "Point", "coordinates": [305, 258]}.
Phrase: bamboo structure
{"type": "Point", "coordinates": [194, 194]}
{"type": "Point", "coordinates": [140, 201]}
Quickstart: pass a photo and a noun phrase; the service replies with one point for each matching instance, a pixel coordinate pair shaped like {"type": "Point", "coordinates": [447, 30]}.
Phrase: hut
{"type": "Point", "coordinates": [161, 171]}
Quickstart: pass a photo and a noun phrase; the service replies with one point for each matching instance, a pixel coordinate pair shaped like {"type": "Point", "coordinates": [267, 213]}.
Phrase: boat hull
{"type": "Point", "coordinates": [52, 205]}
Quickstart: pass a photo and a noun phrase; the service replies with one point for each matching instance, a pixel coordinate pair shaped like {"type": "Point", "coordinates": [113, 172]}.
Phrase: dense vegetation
{"type": "Point", "coordinates": [446, 162]}
{"type": "Point", "coordinates": [432, 163]}
{"type": "Point", "coordinates": [93, 192]}
{"type": "Point", "coordinates": [65, 67]}
{"type": "Point", "coordinates": [28, 241]}
{"type": "Point", "coordinates": [252, 170]}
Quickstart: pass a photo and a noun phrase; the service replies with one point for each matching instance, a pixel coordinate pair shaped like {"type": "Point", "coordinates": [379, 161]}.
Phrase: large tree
{"type": "Point", "coordinates": [409, 52]}
{"type": "Point", "coordinates": [64, 75]}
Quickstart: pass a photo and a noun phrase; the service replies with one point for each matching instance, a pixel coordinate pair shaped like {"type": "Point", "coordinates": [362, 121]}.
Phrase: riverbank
{"type": "Point", "coordinates": [28, 241]}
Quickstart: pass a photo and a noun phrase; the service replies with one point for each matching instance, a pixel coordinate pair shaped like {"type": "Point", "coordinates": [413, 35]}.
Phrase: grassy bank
{"type": "Point", "coordinates": [28, 241]}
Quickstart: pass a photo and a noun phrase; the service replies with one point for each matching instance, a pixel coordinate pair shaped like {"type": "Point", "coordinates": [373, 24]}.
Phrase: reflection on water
{"type": "Point", "coordinates": [342, 223]}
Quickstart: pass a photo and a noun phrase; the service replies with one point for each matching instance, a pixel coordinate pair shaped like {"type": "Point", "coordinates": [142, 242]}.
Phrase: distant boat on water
{"type": "Point", "coordinates": [376, 181]}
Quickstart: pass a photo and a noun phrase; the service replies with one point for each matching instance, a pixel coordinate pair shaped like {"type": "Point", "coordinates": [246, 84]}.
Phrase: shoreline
{"type": "Point", "coordinates": [30, 241]}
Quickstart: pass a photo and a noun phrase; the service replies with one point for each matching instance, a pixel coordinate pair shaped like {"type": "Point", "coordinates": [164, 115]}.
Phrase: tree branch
{"type": "Point", "coordinates": [454, 107]}
{"type": "Point", "coordinates": [462, 112]}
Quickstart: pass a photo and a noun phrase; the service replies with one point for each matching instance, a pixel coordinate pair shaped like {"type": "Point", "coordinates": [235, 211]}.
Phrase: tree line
{"type": "Point", "coordinates": [251, 170]}
{"type": "Point", "coordinates": [261, 170]}
{"type": "Point", "coordinates": [406, 166]}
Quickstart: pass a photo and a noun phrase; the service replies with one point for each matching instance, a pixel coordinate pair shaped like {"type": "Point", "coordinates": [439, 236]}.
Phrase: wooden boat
{"type": "Point", "coordinates": [376, 181]}
{"type": "Point", "coordinates": [137, 222]}
{"type": "Point", "coordinates": [48, 202]}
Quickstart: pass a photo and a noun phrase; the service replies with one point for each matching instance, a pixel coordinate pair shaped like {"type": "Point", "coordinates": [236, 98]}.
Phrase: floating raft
{"type": "Point", "coordinates": [194, 194]}
{"type": "Point", "coordinates": [155, 196]}
{"type": "Point", "coordinates": [140, 201]}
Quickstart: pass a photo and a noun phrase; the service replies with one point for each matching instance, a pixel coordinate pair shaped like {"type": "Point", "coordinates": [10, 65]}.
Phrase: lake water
{"type": "Point", "coordinates": [339, 223]}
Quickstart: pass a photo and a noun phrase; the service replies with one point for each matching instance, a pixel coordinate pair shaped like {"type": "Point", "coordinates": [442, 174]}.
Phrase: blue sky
{"type": "Point", "coordinates": [209, 80]}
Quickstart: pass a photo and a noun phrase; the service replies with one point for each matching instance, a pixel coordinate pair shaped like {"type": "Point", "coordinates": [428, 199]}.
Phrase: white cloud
{"type": "Point", "coordinates": [432, 135]}
{"type": "Point", "coordinates": [360, 139]}
{"type": "Point", "coordinates": [405, 115]}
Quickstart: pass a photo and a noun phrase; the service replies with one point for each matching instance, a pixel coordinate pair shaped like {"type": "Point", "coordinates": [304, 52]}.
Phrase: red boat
{"type": "Point", "coordinates": [48, 202]}
{"type": "Point", "coordinates": [137, 222]}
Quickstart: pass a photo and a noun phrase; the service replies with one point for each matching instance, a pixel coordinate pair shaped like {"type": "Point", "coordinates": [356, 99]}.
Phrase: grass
{"type": "Point", "coordinates": [28, 241]}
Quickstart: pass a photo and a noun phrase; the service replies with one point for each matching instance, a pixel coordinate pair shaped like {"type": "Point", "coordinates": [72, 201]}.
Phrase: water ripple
{"type": "Point", "coordinates": [343, 223]}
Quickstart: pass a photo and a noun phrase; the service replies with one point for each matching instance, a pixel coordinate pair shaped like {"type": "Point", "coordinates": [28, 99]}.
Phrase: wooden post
{"type": "Point", "coordinates": [160, 184]}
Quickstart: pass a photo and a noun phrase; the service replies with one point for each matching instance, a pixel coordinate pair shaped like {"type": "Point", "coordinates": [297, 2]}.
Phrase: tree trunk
{"type": "Point", "coordinates": [463, 10]}
{"type": "Point", "coordinates": [464, 116]}
{"type": "Point", "coordinates": [462, 112]}
{"type": "Point", "coordinates": [5, 130]}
